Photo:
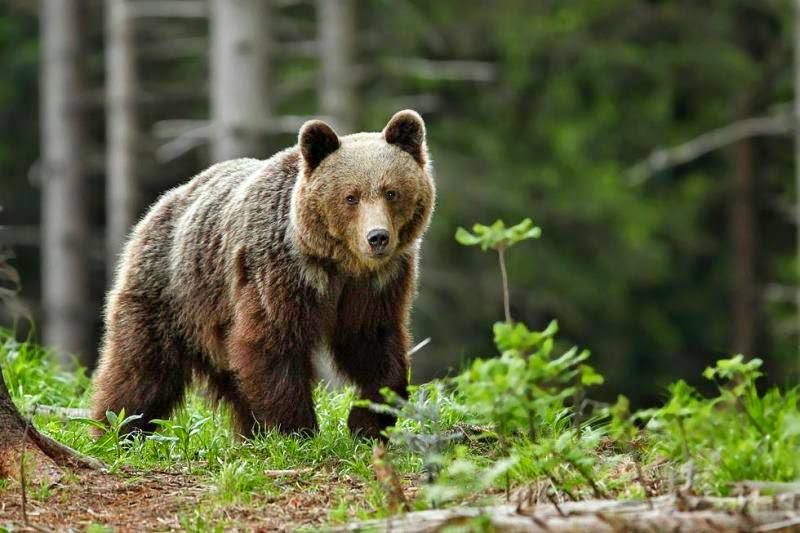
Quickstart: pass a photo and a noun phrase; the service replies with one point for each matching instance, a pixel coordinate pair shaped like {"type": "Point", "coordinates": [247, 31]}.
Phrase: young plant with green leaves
{"type": "Point", "coordinates": [112, 434]}
{"type": "Point", "coordinates": [425, 426]}
{"type": "Point", "coordinates": [738, 435]}
{"type": "Point", "coordinates": [499, 238]}
{"type": "Point", "coordinates": [528, 386]}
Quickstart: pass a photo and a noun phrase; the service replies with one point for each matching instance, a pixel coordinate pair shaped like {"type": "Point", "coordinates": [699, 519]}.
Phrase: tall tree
{"type": "Point", "coordinates": [65, 224]}
{"type": "Point", "coordinates": [240, 104]}
{"type": "Point", "coordinates": [336, 32]}
{"type": "Point", "coordinates": [122, 193]}
{"type": "Point", "coordinates": [742, 224]}
{"type": "Point", "coordinates": [797, 160]}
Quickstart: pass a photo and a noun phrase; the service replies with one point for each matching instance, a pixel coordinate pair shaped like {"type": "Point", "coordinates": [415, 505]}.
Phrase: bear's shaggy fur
{"type": "Point", "coordinates": [245, 272]}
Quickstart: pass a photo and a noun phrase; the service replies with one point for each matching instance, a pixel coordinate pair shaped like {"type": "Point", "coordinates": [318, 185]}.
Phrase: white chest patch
{"type": "Point", "coordinates": [325, 369]}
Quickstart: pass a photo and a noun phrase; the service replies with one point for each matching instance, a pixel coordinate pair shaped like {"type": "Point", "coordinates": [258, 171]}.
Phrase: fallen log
{"type": "Point", "coordinates": [664, 513]}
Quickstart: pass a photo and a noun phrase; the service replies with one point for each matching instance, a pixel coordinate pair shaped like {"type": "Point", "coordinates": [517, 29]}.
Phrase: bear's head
{"type": "Point", "coordinates": [363, 200]}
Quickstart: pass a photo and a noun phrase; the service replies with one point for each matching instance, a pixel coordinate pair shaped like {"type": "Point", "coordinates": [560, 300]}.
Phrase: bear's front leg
{"type": "Point", "coordinates": [375, 360]}
{"type": "Point", "coordinates": [270, 358]}
{"type": "Point", "coordinates": [276, 389]}
{"type": "Point", "coordinates": [370, 346]}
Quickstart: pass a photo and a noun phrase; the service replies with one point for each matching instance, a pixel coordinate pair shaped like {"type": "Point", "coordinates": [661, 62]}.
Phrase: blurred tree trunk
{"type": "Point", "coordinates": [797, 162]}
{"type": "Point", "coordinates": [65, 225]}
{"type": "Point", "coordinates": [336, 35]}
{"type": "Point", "coordinates": [743, 236]}
{"type": "Point", "coordinates": [240, 103]}
{"type": "Point", "coordinates": [122, 193]}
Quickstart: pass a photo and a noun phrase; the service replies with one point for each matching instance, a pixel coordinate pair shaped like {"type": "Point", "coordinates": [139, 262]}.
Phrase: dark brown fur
{"type": "Point", "coordinates": [240, 275]}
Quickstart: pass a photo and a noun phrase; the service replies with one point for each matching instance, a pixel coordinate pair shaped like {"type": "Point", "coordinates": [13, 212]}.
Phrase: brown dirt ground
{"type": "Point", "coordinates": [154, 501]}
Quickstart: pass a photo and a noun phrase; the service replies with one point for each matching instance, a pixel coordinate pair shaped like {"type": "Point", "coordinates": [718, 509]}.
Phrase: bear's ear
{"type": "Point", "coordinates": [406, 130]}
{"type": "Point", "coordinates": [317, 141]}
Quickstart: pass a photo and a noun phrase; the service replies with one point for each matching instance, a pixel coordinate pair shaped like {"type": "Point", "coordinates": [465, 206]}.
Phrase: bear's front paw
{"type": "Point", "coordinates": [366, 424]}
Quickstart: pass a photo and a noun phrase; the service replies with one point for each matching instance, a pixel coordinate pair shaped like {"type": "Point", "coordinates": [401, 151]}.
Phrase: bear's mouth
{"type": "Point", "coordinates": [377, 259]}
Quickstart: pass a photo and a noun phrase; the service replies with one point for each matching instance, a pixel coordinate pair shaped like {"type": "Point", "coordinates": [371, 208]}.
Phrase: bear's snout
{"type": "Point", "coordinates": [378, 239]}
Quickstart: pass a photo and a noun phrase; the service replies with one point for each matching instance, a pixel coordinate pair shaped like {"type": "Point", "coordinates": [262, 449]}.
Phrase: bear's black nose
{"type": "Point", "coordinates": [378, 239]}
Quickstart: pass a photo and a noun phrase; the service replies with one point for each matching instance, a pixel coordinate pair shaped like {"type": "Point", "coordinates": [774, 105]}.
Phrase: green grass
{"type": "Point", "coordinates": [197, 440]}
{"type": "Point", "coordinates": [504, 423]}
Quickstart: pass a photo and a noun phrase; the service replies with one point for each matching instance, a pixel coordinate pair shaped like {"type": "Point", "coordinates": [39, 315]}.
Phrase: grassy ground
{"type": "Point", "coordinates": [215, 479]}
{"type": "Point", "coordinates": [509, 427]}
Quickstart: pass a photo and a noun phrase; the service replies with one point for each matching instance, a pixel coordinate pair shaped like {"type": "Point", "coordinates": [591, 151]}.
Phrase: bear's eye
{"type": "Point", "coordinates": [391, 195]}
{"type": "Point", "coordinates": [351, 199]}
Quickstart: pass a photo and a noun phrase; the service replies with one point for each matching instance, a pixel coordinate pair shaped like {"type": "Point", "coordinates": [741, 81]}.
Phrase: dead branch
{"type": "Point", "coordinates": [429, 69]}
{"type": "Point", "coordinates": [189, 134]}
{"type": "Point", "coordinates": [386, 475]}
{"type": "Point", "coordinates": [184, 142]}
{"type": "Point", "coordinates": [781, 123]}
{"type": "Point", "coordinates": [288, 473]}
{"type": "Point", "coordinates": [777, 487]}
{"type": "Point", "coordinates": [666, 514]}
{"type": "Point", "coordinates": [777, 293]}
{"type": "Point", "coordinates": [169, 9]}
{"type": "Point", "coordinates": [61, 412]}
{"type": "Point", "coordinates": [420, 345]}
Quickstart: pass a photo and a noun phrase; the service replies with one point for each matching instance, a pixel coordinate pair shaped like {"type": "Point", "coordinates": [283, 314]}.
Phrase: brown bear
{"type": "Point", "coordinates": [245, 273]}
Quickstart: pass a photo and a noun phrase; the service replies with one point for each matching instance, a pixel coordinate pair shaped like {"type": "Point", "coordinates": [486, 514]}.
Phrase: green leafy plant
{"type": "Point", "coordinates": [737, 435]}
{"type": "Point", "coordinates": [527, 386]}
{"type": "Point", "coordinates": [499, 238]}
{"type": "Point", "coordinates": [525, 391]}
{"type": "Point", "coordinates": [180, 434]}
{"type": "Point", "coordinates": [463, 476]}
{"type": "Point", "coordinates": [112, 430]}
{"type": "Point", "coordinates": [425, 429]}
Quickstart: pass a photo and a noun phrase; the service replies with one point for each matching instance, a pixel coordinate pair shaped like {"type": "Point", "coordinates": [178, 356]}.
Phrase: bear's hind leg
{"type": "Point", "coordinates": [224, 389]}
{"type": "Point", "coordinates": [141, 371]}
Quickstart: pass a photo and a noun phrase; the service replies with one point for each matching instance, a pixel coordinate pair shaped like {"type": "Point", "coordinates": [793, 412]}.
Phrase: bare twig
{"type": "Point", "coordinates": [387, 477]}
{"type": "Point", "coordinates": [22, 482]}
{"type": "Point", "coordinates": [640, 478]}
{"type": "Point", "coordinates": [62, 412]}
{"type": "Point", "coordinates": [288, 473]}
{"type": "Point", "coordinates": [501, 254]}
{"type": "Point", "coordinates": [189, 139]}
{"type": "Point", "coordinates": [419, 346]}
{"type": "Point", "coordinates": [553, 500]}
{"type": "Point", "coordinates": [557, 486]}
{"type": "Point", "coordinates": [478, 71]}
{"type": "Point", "coordinates": [186, 135]}
{"type": "Point", "coordinates": [169, 9]}
{"type": "Point", "coordinates": [598, 492]}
